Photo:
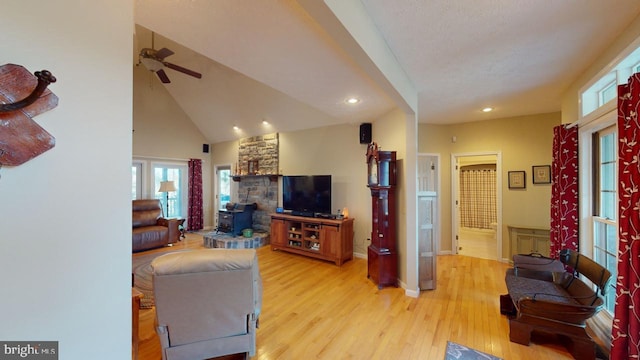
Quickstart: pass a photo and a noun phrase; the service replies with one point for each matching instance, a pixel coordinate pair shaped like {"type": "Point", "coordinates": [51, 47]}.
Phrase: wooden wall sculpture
{"type": "Point", "coordinates": [23, 96]}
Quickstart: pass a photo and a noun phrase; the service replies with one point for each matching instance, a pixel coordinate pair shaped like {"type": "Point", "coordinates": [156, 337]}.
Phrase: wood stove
{"type": "Point", "coordinates": [235, 218]}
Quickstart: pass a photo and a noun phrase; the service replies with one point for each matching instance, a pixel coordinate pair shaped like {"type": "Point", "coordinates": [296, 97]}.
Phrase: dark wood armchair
{"type": "Point", "coordinates": [558, 302]}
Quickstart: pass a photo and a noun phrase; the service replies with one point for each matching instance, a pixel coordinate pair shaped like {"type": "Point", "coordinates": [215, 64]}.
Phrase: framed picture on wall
{"type": "Point", "coordinates": [517, 180]}
{"type": "Point", "coordinates": [541, 174]}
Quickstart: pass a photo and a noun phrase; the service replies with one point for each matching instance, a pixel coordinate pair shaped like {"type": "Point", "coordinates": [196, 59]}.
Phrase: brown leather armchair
{"type": "Point", "coordinates": [150, 229]}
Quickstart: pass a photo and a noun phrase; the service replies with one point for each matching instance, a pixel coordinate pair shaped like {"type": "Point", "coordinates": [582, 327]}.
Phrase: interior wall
{"type": "Point", "coordinates": [334, 150]}
{"type": "Point", "coordinates": [161, 130]}
{"type": "Point", "coordinates": [524, 141]}
{"type": "Point", "coordinates": [65, 218]}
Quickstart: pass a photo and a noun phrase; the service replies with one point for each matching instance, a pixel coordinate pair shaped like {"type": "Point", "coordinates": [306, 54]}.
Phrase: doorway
{"type": "Point", "coordinates": [476, 184]}
{"type": "Point", "coordinates": [222, 190]}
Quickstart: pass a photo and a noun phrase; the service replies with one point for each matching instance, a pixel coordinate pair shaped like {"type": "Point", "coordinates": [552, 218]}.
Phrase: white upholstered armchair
{"type": "Point", "coordinates": [207, 302]}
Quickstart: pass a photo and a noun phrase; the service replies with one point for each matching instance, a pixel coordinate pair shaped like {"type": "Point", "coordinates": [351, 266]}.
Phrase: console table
{"type": "Point", "coordinates": [320, 238]}
{"type": "Point", "coordinates": [528, 239]}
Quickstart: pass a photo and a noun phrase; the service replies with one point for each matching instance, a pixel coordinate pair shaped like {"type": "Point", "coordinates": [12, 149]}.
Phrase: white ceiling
{"type": "Point", "coordinates": [293, 63]}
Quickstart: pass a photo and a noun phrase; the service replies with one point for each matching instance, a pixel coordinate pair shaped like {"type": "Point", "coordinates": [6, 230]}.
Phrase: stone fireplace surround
{"type": "Point", "coordinates": [261, 188]}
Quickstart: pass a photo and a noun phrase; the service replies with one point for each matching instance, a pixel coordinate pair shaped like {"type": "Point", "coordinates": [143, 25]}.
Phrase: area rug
{"type": "Point", "coordinates": [142, 276]}
{"type": "Point", "coordinates": [460, 352]}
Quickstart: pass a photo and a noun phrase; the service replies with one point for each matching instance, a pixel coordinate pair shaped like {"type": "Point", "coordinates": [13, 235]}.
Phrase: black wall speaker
{"type": "Point", "coordinates": [205, 148]}
{"type": "Point", "coordinates": [365, 133]}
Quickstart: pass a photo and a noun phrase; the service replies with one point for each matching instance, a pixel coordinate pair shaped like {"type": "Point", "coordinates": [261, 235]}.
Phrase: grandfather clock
{"type": "Point", "coordinates": [381, 180]}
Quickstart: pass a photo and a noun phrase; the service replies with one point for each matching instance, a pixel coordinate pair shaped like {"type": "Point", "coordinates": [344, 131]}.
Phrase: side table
{"type": "Point", "coordinates": [181, 228]}
{"type": "Point", "coordinates": [136, 295]}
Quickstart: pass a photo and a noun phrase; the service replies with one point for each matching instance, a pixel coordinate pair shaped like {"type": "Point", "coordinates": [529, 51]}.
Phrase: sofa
{"type": "Point", "coordinates": [207, 302]}
{"type": "Point", "coordinates": [150, 229]}
{"type": "Point", "coordinates": [549, 299]}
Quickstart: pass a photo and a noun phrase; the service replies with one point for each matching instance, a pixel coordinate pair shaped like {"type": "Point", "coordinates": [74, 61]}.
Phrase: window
{"type": "Point", "coordinates": [608, 93]}
{"type": "Point", "coordinates": [136, 180]}
{"type": "Point", "coordinates": [604, 87]}
{"type": "Point", "coordinates": [173, 202]}
{"type": "Point", "coordinates": [605, 204]}
{"type": "Point", "coordinates": [224, 186]}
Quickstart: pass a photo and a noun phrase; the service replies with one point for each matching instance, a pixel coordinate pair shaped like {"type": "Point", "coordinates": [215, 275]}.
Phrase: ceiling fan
{"type": "Point", "coordinates": [153, 60]}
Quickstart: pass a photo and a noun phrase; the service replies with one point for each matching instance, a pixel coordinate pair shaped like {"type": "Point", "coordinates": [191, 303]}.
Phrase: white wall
{"type": "Point", "coordinates": [65, 223]}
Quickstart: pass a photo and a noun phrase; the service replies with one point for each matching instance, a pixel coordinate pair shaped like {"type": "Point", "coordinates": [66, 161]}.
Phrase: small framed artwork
{"type": "Point", "coordinates": [517, 180]}
{"type": "Point", "coordinates": [541, 174]}
{"type": "Point", "coordinates": [252, 167]}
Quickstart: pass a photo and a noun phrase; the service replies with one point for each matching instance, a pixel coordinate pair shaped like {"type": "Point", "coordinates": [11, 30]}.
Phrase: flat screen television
{"type": "Point", "coordinates": [307, 195]}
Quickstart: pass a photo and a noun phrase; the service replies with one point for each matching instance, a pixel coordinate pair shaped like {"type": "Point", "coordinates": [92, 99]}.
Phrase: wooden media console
{"type": "Point", "coordinates": [320, 238]}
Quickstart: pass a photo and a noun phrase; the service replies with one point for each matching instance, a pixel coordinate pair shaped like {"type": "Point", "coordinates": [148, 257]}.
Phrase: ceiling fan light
{"type": "Point", "coordinates": [151, 64]}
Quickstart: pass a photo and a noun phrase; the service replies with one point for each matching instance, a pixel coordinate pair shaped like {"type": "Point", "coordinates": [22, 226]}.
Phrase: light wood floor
{"type": "Point", "coordinates": [315, 309]}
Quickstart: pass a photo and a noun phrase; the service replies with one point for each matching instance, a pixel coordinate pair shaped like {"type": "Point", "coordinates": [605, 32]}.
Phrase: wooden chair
{"type": "Point", "coordinates": [558, 302]}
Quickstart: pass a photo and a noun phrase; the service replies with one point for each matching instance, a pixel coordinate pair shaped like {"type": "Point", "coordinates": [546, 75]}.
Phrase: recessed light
{"type": "Point", "coordinates": [352, 100]}
{"type": "Point", "coordinates": [236, 128]}
{"type": "Point", "coordinates": [487, 109]}
{"type": "Point", "coordinates": [265, 122]}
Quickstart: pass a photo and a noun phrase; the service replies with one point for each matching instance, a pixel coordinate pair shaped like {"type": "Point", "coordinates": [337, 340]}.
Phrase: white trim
{"type": "Point", "coordinates": [411, 293]}
{"type": "Point", "coordinates": [142, 157]}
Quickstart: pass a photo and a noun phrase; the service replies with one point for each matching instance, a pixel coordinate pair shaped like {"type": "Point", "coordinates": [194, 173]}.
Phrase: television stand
{"type": "Point", "coordinates": [325, 239]}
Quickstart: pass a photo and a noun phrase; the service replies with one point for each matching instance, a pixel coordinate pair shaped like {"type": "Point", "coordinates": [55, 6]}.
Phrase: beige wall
{"type": "Point", "coordinates": [65, 219]}
{"type": "Point", "coordinates": [522, 141]}
{"type": "Point", "coordinates": [162, 131]}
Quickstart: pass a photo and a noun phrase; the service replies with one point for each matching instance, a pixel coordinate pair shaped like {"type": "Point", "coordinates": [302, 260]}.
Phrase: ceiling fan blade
{"type": "Point", "coordinates": [183, 70]}
{"type": "Point", "coordinates": [163, 53]}
{"type": "Point", "coordinates": [163, 76]}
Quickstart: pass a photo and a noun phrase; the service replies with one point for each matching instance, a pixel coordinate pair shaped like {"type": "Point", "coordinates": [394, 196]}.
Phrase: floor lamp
{"type": "Point", "coordinates": [166, 187]}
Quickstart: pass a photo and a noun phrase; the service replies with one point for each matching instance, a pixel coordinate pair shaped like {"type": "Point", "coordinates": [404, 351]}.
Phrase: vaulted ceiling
{"type": "Point", "coordinates": [294, 63]}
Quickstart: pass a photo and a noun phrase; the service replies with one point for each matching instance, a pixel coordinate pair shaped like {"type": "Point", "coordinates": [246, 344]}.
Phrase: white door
{"type": "Point", "coordinates": [427, 225]}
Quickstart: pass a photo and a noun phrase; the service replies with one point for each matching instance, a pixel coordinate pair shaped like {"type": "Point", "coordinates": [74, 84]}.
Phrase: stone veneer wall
{"type": "Point", "coordinates": [259, 189]}
{"type": "Point", "coordinates": [262, 191]}
{"type": "Point", "coordinates": [262, 148]}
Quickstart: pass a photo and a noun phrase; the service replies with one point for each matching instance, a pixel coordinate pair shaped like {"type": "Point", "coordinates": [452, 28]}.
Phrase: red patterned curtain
{"type": "Point", "coordinates": [564, 190]}
{"type": "Point", "coordinates": [625, 334]}
{"type": "Point", "coordinates": [195, 219]}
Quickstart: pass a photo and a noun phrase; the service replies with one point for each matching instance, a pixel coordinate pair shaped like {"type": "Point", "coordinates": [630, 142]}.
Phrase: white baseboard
{"type": "Point", "coordinates": [359, 255]}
